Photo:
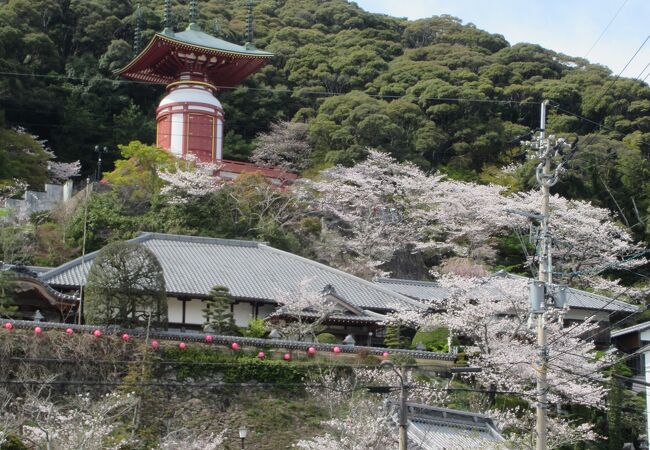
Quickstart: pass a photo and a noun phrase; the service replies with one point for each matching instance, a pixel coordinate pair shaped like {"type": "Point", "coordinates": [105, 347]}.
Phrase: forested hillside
{"type": "Point", "coordinates": [359, 79]}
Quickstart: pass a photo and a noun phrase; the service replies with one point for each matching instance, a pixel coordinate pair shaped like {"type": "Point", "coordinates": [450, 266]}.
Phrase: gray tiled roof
{"type": "Point", "coordinates": [251, 270]}
{"type": "Point", "coordinates": [432, 428]}
{"type": "Point", "coordinates": [638, 328]}
{"type": "Point", "coordinates": [424, 290]}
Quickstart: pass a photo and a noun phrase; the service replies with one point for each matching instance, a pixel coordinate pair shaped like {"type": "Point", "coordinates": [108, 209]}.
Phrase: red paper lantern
{"type": "Point", "coordinates": [336, 350]}
{"type": "Point", "coordinates": [234, 346]}
{"type": "Point", "coordinates": [385, 354]}
{"type": "Point", "coordinates": [8, 326]}
{"type": "Point", "coordinates": [69, 331]}
{"type": "Point", "coordinates": [311, 351]}
{"type": "Point", "coordinates": [38, 330]}
{"type": "Point", "coordinates": [261, 355]}
{"type": "Point", "coordinates": [154, 344]}
{"type": "Point", "coordinates": [125, 337]}
{"type": "Point", "coordinates": [287, 356]}
{"type": "Point", "coordinates": [182, 345]}
{"type": "Point", "coordinates": [208, 339]}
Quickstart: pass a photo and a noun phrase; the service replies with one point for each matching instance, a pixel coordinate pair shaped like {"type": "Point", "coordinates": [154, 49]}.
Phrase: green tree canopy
{"type": "Point", "coordinates": [125, 285]}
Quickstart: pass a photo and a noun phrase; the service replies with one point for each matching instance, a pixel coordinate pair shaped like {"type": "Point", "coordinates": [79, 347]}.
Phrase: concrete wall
{"type": "Point", "coordinates": [34, 201]}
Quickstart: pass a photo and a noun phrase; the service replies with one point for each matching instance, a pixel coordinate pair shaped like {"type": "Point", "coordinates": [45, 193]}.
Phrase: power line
{"type": "Point", "coordinates": [623, 69]}
{"type": "Point", "coordinates": [606, 28]}
{"type": "Point", "coordinates": [285, 91]}
{"type": "Point", "coordinates": [604, 330]}
{"type": "Point", "coordinates": [619, 360]}
{"type": "Point", "coordinates": [646, 66]}
{"type": "Point", "coordinates": [593, 122]}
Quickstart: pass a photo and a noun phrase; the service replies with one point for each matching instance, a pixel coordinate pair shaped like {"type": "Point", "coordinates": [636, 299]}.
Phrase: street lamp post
{"type": "Point", "coordinates": [99, 150]}
{"type": "Point", "coordinates": [243, 432]}
{"type": "Point", "coordinates": [403, 423]}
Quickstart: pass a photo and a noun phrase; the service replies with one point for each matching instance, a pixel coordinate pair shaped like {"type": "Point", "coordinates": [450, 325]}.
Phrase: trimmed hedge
{"type": "Point", "coordinates": [234, 368]}
{"type": "Point", "coordinates": [326, 338]}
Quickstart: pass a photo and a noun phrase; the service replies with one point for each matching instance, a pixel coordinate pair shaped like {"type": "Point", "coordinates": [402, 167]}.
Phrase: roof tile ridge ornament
{"type": "Point", "coordinates": [150, 235]}
{"type": "Point", "coordinates": [193, 16]}
{"type": "Point", "coordinates": [169, 29]}
{"type": "Point", "coordinates": [249, 26]}
{"type": "Point", "coordinates": [388, 280]}
{"type": "Point", "coordinates": [137, 34]}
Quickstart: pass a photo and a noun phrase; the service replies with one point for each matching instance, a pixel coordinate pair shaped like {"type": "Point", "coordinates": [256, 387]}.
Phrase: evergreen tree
{"type": "Point", "coordinates": [394, 337]}
{"type": "Point", "coordinates": [125, 285]}
{"type": "Point", "coordinates": [217, 314]}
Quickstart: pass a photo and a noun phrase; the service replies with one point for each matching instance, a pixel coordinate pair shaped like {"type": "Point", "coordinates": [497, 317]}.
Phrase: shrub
{"type": "Point", "coordinates": [326, 338]}
{"type": "Point", "coordinates": [434, 340]}
{"type": "Point", "coordinates": [256, 329]}
{"type": "Point", "coordinates": [246, 367]}
{"type": "Point", "coordinates": [12, 442]}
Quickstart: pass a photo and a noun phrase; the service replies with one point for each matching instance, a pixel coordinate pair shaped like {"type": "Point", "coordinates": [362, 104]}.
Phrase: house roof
{"type": "Point", "coordinates": [433, 428]}
{"type": "Point", "coordinates": [638, 328]}
{"type": "Point", "coordinates": [424, 290]}
{"type": "Point", "coordinates": [251, 270]}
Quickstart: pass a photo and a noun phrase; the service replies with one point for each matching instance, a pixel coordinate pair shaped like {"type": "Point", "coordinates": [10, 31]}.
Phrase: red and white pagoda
{"type": "Point", "coordinates": [196, 66]}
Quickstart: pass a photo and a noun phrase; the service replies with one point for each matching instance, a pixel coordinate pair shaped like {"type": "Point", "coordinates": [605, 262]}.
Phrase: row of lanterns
{"type": "Point", "coordinates": [311, 351]}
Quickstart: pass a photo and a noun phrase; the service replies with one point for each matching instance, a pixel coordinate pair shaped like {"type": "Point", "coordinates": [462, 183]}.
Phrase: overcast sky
{"type": "Point", "coordinates": [566, 26]}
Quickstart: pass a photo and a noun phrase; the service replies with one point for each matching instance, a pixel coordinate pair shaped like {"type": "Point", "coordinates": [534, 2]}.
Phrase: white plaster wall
{"type": "Point", "coordinates": [242, 313]}
{"type": "Point", "coordinates": [177, 134]}
{"type": "Point", "coordinates": [174, 310]}
{"type": "Point", "coordinates": [219, 151]}
{"type": "Point", "coordinates": [194, 312]}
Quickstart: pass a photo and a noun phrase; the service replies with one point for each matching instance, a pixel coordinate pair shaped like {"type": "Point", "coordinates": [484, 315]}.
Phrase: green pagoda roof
{"type": "Point", "coordinates": [200, 39]}
{"type": "Point", "coordinates": [169, 54]}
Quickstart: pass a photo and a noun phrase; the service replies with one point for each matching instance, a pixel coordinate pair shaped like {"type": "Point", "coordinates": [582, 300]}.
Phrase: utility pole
{"type": "Point", "coordinates": [403, 394]}
{"type": "Point", "coordinates": [545, 269]}
{"type": "Point", "coordinates": [403, 421]}
{"type": "Point", "coordinates": [550, 151]}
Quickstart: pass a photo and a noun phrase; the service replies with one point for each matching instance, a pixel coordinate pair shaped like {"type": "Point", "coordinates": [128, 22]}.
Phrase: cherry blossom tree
{"type": "Point", "coordinates": [190, 179]}
{"type": "Point", "coordinates": [82, 422]}
{"type": "Point", "coordinates": [368, 420]}
{"type": "Point", "coordinates": [60, 172]}
{"type": "Point", "coordinates": [302, 311]}
{"type": "Point", "coordinates": [188, 440]}
{"type": "Point", "coordinates": [520, 422]}
{"type": "Point", "coordinates": [492, 313]}
{"type": "Point", "coordinates": [379, 206]}
{"type": "Point", "coordinates": [285, 146]}
{"type": "Point", "coordinates": [376, 207]}
{"type": "Point", "coordinates": [367, 426]}
{"type": "Point", "coordinates": [587, 241]}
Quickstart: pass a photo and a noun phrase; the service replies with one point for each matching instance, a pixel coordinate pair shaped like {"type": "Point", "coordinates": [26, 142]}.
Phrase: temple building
{"type": "Point", "coordinates": [195, 67]}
